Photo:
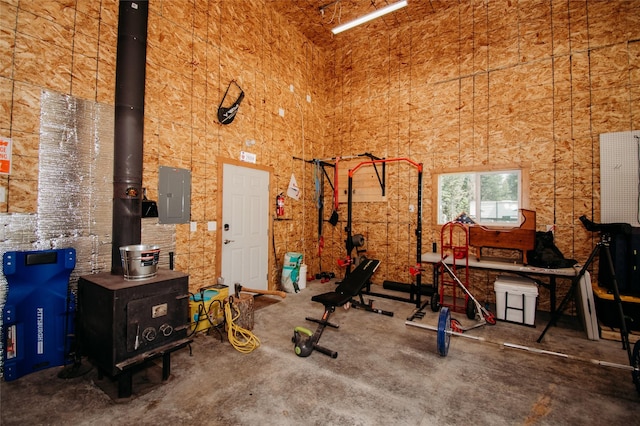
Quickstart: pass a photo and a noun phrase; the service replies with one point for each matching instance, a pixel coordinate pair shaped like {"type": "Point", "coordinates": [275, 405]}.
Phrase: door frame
{"type": "Point", "coordinates": [221, 163]}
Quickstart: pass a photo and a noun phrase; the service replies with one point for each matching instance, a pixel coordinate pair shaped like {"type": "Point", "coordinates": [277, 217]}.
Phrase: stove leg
{"type": "Point", "coordinates": [125, 383]}
{"type": "Point", "coordinates": [166, 365]}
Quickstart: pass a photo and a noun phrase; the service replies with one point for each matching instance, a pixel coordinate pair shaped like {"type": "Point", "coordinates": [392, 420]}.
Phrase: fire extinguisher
{"type": "Point", "coordinates": [280, 205]}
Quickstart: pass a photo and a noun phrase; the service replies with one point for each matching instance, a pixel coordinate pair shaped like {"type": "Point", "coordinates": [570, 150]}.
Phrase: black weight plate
{"type": "Point", "coordinates": [444, 331]}
{"type": "Point", "coordinates": [435, 302]}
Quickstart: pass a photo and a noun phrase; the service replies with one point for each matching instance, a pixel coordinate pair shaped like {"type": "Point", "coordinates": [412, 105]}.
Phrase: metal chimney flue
{"type": "Point", "coordinates": [129, 127]}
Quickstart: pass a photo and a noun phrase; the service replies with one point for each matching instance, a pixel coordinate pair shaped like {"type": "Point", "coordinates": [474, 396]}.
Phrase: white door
{"type": "Point", "coordinates": [245, 227]}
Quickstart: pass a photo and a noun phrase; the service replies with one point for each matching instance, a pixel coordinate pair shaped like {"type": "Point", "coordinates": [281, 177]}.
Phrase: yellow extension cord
{"type": "Point", "coordinates": [240, 338]}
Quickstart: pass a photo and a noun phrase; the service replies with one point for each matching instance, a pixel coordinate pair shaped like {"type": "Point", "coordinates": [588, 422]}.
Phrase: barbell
{"type": "Point", "coordinates": [444, 333]}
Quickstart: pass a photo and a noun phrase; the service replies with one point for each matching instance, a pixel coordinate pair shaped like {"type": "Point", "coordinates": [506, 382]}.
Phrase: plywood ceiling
{"type": "Point", "coordinates": [316, 18]}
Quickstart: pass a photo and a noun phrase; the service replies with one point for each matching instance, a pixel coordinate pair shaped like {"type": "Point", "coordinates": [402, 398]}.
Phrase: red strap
{"type": "Point", "coordinates": [336, 192]}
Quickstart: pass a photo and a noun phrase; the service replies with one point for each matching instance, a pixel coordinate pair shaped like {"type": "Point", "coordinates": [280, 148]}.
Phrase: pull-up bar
{"type": "Point", "coordinates": [385, 160]}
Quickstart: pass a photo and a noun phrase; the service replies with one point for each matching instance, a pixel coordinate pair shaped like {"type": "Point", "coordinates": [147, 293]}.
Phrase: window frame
{"type": "Point", "coordinates": [478, 171]}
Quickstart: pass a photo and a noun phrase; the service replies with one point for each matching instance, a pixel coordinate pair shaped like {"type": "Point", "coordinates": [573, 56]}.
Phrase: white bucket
{"type": "Point", "coordinates": [302, 280]}
{"type": "Point", "coordinates": [140, 261]}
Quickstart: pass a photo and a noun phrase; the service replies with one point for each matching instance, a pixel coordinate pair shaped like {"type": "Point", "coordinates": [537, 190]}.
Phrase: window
{"type": "Point", "coordinates": [487, 197]}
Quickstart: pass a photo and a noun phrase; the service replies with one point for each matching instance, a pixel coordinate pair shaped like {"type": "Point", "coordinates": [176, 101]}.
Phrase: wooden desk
{"type": "Point", "coordinates": [516, 268]}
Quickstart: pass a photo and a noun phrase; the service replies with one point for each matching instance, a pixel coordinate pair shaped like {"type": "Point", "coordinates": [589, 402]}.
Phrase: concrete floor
{"type": "Point", "coordinates": [386, 373]}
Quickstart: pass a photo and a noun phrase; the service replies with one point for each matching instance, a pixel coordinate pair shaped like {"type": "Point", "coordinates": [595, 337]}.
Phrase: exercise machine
{"type": "Point", "coordinates": [305, 341]}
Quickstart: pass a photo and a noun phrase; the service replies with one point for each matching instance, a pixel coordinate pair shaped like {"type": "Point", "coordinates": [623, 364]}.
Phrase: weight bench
{"type": "Point", "coordinates": [345, 293]}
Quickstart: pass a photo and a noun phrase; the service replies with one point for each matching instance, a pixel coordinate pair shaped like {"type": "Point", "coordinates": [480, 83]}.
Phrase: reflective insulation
{"type": "Point", "coordinates": [75, 182]}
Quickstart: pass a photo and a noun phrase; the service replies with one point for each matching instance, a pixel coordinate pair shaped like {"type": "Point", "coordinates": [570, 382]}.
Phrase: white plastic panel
{"type": "Point", "coordinates": [620, 177]}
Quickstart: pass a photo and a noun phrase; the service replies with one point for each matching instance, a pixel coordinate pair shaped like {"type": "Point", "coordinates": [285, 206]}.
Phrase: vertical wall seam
{"type": "Point", "coordinates": [98, 51]}
{"type": "Point", "coordinates": [488, 82]}
{"type": "Point", "coordinates": [553, 108]}
{"type": "Point", "coordinates": [593, 149]}
{"type": "Point", "coordinates": [459, 86]}
{"type": "Point", "coordinates": [571, 117]}
{"type": "Point", "coordinates": [73, 43]}
{"type": "Point", "coordinates": [473, 81]}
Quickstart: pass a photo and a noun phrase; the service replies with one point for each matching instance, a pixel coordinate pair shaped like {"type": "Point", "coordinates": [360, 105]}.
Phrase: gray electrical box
{"type": "Point", "coordinates": [174, 195]}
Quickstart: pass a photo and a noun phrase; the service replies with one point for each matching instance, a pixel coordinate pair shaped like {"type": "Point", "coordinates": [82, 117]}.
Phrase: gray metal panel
{"type": "Point", "coordinates": [174, 195]}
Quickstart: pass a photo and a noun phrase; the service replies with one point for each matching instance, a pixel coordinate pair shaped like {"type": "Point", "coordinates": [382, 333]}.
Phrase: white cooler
{"type": "Point", "coordinates": [516, 299]}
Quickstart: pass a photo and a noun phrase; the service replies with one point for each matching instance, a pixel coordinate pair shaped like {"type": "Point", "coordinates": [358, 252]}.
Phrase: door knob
{"type": "Point", "coordinates": [228, 241]}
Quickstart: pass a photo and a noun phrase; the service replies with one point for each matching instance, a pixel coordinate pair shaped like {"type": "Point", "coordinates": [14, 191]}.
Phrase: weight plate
{"type": "Point", "coordinates": [444, 331]}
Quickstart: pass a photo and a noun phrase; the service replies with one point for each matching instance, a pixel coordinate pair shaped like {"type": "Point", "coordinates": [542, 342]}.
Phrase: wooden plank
{"type": "Point", "coordinates": [365, 187]}
{"type": "Point", "coordinates": [611, 333]}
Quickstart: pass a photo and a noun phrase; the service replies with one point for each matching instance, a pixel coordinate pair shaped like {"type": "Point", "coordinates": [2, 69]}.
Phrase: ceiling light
{"type": "Point", "coordinates": [370, 16]}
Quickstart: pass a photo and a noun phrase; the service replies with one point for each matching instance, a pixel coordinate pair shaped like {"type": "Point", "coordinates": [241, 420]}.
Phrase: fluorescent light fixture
{"type": "Point", "coordinates": [370, 16]}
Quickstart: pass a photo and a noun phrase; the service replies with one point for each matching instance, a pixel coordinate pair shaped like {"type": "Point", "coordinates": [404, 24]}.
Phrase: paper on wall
{"type": "Point", "coordinates": [293, 191]}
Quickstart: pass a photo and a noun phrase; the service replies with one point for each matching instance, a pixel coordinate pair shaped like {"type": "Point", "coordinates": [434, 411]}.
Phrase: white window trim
{"type": "Point", "coordinates": [524, 187]}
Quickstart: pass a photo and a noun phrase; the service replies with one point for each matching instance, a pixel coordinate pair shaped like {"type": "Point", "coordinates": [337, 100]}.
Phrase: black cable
{"type": "Point", "coordinates": [202, 310]}
{"type": "Point", "coordinates": [195, 325]}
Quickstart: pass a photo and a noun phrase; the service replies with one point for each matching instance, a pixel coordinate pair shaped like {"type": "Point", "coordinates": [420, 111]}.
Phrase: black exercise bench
{"type": "Point", "coordinates": [345, 293]}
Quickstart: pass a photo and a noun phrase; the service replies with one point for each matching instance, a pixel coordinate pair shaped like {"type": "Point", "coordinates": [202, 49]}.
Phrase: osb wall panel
{"type": "Point", "coordinates": [70, 47]}
{"type": "Point", "coordinates": [487, 83]}
{"type": "Point", "coordinates": [191, 62]}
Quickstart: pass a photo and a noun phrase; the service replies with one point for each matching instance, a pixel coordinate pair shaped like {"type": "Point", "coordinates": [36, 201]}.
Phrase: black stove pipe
{"type": "Point", "coordinates": [129, 127]}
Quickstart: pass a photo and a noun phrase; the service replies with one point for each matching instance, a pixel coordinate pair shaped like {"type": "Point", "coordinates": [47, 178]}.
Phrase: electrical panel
{"type": "Point", "coordinates": [174, 195]}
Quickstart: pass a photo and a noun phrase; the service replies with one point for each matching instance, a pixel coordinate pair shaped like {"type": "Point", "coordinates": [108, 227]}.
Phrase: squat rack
{"type": "Point", "coordinates": [414, 294]}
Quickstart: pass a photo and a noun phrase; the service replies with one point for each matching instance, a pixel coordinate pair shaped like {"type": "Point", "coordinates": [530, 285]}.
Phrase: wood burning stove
{"type": "Point", "coordinates": [123, 323]}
